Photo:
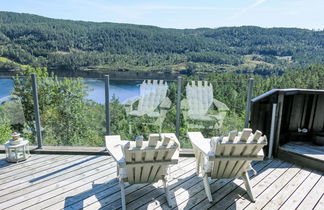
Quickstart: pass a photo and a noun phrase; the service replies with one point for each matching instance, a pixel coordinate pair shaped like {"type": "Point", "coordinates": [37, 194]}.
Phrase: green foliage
{"type": "Point", "coordinates": [65, 113]}
{"type": "Point", "coordinates": [214, 58]}
{"type": "Point", "coordinates": [5, 129]}
{"type": "Point", "coordinates": [119, 122]}
{"type": "Point", "coordinates": [64, 45]}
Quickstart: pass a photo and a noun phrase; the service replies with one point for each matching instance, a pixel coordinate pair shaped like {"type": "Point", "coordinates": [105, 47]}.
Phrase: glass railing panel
{"type": "Point", "coordinates": [213, 107]}
{"type": "Point", "coordinates": [169, 120]}
{"type": "Point", "coordinates": [16, 114]}
{"type": "Point", "coordinates": [124, 102]}
{"type": "Point", "coordinates": [144, 109]}
{"type": "Point", "coordinates": [233, 94]}
{"type": "Point", "coordinates": [72, 111]}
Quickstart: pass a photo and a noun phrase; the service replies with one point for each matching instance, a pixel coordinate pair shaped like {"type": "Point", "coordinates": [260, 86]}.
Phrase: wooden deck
{"type": "Point", "coordinates": [305, 148]}
{"type": "Point", "coordinates": [89, 182]}
{"type": "Point", "coordinates": [303, 153]}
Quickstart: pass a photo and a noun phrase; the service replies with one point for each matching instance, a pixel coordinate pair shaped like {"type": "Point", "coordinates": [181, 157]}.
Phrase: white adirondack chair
{"type": "Point", "coordinates": [144, 161]}
{"type": "Point", "coordinates": [227, 157]}
{"type": "Point", "coordinates": [199, 100]}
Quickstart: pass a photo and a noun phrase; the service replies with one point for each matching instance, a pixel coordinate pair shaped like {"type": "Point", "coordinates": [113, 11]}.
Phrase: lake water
{"type": "Point", "coordinates": [122, 90]}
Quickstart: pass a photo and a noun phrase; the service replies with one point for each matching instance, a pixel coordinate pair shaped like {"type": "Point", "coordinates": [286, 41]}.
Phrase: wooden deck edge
{"type": "Point", "coordinates": [186, 152]}
{"type": "Point", "coordinates": [300, 159]}
{"type": "Point", "coordinates": [70, 150]}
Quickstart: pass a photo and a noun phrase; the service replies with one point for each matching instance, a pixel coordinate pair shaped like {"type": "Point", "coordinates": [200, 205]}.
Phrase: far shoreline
{"type": "Point", "coordinates": [113, 74]}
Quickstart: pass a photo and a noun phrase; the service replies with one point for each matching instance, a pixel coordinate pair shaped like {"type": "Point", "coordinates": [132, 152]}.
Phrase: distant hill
{"type": "Point", "coordinates": [88, 46]}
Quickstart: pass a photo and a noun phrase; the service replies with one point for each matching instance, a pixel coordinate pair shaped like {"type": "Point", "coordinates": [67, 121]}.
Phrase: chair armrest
{"type": "Point", "coordinates": [174, 137]}
{"type": "Point", "coordinates": [175, 156]}
{"type": "Point", "coordinates": [260, 155]}
{"type": "Point", "coordinates": [198, 140]}
{"type": "Point", "coordinates": [129, 104]}
{"type": "Point", "coordinates": [114, 148]}
{"type": "Point", "coordinates": [166, 103]}
{"type": "Point", "coordinates": [131, 101]}
{"type": "Point", "coordinates": [220, 105]}
{"type": "Point", "coordinates": [184, 104]}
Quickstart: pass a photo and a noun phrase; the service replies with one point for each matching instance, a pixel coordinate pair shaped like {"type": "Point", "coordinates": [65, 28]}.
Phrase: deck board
{"type": "Point", "coordinates": [42, 190]}
{"type": "Point", "coordinates": [39, 180]}
{"type": "Point", "coordinates": [263, 169]}
{"type": "Point", "coordinates": [38, 175]}
{"type": "Point", "coordinates": [303, 189]}
{"type": "Point", "coordinates": [320, 204]}
{"type": "Point", "coordinates": [140, 193]}
{"type": "Point", "coordinates": [220, 192]}
{"type": "Point", "coordinates": [182, 178]}
{"type": "Point", "coordinates": [313, 196]}
{"type": "Point", "coordinates": [89, 182]}
{"type": "Point", "coordinates": [287, 190]}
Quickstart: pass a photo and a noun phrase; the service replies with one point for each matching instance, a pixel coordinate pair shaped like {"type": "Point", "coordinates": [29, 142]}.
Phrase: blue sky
{"type": "Point", "coordinates": [180, 13]}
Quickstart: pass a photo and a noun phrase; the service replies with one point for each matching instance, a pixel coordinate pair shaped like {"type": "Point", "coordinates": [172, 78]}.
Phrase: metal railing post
{"type": "Point", "coordinates": [248, 103]}
{"type": "Point", "coordinates": [36, 110]}
{"type": "Point", "coordinates": [107, 104]}
{"type": "Point", "coordinates": [178, 108]}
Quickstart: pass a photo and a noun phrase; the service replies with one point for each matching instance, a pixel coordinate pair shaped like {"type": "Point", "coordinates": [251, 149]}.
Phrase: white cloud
{"type": "Point", "coordinates": [163, 7]}
{"type": "Point", "coordinates": [246, 9]}
{"type": "Point", "coordinates": [132, 12]}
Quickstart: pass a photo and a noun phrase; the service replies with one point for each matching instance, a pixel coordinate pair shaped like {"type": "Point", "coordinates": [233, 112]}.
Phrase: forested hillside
{"type": "Point", "coordinates": [77, 45]}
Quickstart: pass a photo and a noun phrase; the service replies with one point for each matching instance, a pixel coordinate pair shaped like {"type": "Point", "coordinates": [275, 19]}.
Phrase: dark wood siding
{"type": "Point", "coordinates": [300, 110]}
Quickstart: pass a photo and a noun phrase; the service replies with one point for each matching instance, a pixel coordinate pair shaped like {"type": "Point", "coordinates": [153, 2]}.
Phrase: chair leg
{"type": "Point", "coordinates": [207, 188]}
{"type": "Point", "coordinates": [198, 164]}
{"type": "Point", "coordinates": [130, 130]}
{"type": "Point", "coordinates": [197, 168]}
{"type": "Point", "coordinates": [248, 187]}
{"type": "Point", "coordinates": [122, 191]}
{"type": "Point", "coordinates": [160, 127]}
{"type": "Point", "coordinates": [167, 193]}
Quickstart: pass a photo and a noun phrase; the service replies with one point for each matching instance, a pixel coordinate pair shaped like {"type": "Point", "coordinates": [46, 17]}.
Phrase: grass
{"type": "Point", "coordinates": [7, 60]}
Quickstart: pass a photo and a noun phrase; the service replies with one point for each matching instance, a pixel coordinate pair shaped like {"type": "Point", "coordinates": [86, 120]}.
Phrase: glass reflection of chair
{"type": "Point", "coordinates": [200, 108]}
{"type": "Point", "coordinates": [152, 103]}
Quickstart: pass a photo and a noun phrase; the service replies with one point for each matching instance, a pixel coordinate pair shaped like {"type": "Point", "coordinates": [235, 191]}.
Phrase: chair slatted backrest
{"type": "Point", "coordinates": [200, 97]}
{"type": "Point", "coordinates": [147, 161]}
{"type": "Point", "coordinates": [152, 94]}
{"type": "Point", "coordinates": [234, 153]}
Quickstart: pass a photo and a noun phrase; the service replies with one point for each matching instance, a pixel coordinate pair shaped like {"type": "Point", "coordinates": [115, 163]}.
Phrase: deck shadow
{"type": "Point", "coordinates": [108, 194]}
{"type": "Point", "coordinates": [99, 191]}
{"type": "Point", "coordinates": [63, 169]}
{"type": "Point", "coordinates": [4, 163]}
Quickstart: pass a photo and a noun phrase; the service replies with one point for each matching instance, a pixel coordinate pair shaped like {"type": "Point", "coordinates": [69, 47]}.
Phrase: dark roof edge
{"type": "Point", "coordinates": [286, 91]}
